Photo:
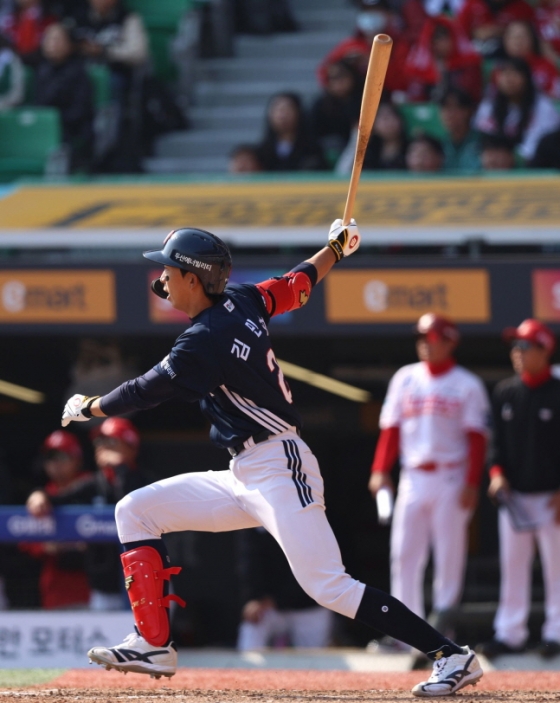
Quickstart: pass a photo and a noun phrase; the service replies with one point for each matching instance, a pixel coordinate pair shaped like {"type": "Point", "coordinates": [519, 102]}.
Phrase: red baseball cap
{"type": "Point", "coordinates": [437, 327]}
{"type": "Point", "coordinates": [533, 331]}
{"type": "Point", "coordinates": [62, 441]}
{"type": "Point", "coordinates": [120, 428]}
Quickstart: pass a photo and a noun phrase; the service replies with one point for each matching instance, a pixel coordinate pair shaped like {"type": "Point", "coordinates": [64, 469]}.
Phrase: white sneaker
{"type": "Point", "coordinates": [135, 654]}
{"type": "Point", "coordinates": [450, 674]}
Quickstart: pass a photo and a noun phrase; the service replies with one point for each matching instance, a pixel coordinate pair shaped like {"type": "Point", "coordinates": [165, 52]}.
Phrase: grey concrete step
{"type": "Point", "coordinates": [195, 164]}
{"type": "Point", "coordinates": [210, 93]}
{"type": "Point", "coordinates": [308, 45]}
{"type": "Point", "coordinates": [210, 142]}
{"type": "Point", "coordinates": [228, 117]}
{"type": "Point", "coordinates": [252, 70]}
{"type": "Point", "coordinates": [315, 19]}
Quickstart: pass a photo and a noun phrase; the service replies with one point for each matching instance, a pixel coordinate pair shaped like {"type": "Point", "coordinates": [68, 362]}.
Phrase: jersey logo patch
{"type": "Point", "coordinates": [253, 327]}
{"type": "Point", "coordinates": [229, 306]}
{"type": "Point", "coordinates": [166, 366]}
{"type": "Point", "coordinates": [240, 349]}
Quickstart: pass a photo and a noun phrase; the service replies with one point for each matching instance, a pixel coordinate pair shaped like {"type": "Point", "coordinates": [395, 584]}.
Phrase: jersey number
{"type": "Point", "coordinates": [273, 365]}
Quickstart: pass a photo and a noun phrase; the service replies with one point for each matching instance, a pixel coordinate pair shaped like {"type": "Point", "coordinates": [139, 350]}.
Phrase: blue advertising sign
{"type": "Point", "coordinates": [68, 524]}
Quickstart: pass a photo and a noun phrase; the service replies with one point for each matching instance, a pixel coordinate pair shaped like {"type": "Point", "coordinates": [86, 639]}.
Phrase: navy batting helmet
{"type": "Point", "coordinates": [199, 252]}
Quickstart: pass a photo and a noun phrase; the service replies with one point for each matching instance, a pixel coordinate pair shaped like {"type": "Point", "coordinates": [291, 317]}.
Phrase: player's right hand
{"type": "Point", "coordinates": [75, 407]}
{"type": "Point", "coordinates": [378, 480]}
{"type": "Point", "coordinates": [344, 240]}
{"type": "Point", "coordinates": [38, 504]}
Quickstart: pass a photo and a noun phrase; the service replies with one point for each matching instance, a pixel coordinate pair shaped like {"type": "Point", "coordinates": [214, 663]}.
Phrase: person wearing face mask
{"type": "Point", "coordinates": [525, 474]}
{"type": "Point", "coordinates": [434, 418]}
{"type": "Point", "coordinates": [374, 17]}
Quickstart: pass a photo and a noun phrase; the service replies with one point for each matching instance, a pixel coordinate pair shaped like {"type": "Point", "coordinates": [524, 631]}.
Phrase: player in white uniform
{"type": "Point", "coordinates": [225, 361]}
{"type": "Point", "coordinates": [435, 417]}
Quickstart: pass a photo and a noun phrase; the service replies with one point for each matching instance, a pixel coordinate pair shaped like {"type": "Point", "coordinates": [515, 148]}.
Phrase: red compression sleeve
{"type": "Point", "coordinates": [477, 456]}
{"type": "Point", "coordinates": [286, 293]}
{"type": "Point", "coordinates": [387, 451]}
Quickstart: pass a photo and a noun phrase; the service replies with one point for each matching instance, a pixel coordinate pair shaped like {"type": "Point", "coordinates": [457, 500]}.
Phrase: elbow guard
{"type": "Point", "coordinates": [287, 293]}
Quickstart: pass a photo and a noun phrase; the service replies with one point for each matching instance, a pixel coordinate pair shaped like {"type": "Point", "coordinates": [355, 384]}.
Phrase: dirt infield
{"type": "Point", "coordinates": [276, 686]}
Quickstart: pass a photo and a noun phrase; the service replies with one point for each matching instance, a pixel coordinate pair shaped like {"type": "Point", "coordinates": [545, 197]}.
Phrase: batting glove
{"type": "Point", "coordinates": [344, 239]}
{"type": "Point", "coordinates": [78, 409]}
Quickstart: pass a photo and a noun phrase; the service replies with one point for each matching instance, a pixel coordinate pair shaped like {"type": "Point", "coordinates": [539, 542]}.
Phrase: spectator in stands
{"type": "Point", "coordinates": [547, 154]}
{"type": "Point", "coordinates": [425, 155]}
{"type": "Point", "coordinates": [63, 582]}
{"type": "Point", "coordinates": [63, 82]}
{"type": "Point", "coordinates": [484, 22]}
{"type": "Point", "coordinates": [109, 33]}
{"type": "Point", "coordinates": [461, 144]}
{"type": "Point", "coordinates": [116, 443]}
{"type": "Point", "coordinates": [276, 610]}
{"type": "Point", "coordinates": [24, 26]}
{"type": "Point", "coordinates": [516, 110]}
{"type": "Point", "coordinates": [263, 16]}
{"type": "Point", "coordinates": [388, 142]}
{"type": "Point", "coordinates": [244, 158]}
{"type": "Point", "coordinates": [335, 113]}
{"type": "Point", "coordinates": [287, 144]}
{"type": "Point", "coordinates": [12, 76]}
{"type": "Point", "coordinates": [443, 58]}
{"type": "Point", "coordinates": [374, 16]}
{"type": "Point", "coordinates": [497, 153]}
{"type": "Point", "coordinates": [522, 41]}
{"type": "Point", "coordinates": [548, 23]}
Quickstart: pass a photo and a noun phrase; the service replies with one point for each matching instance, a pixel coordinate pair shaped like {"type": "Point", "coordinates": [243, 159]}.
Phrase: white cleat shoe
{"type": "Point", "coordinates": [135, 654]}
{"type": "Point", "coordinates": [451, 674]}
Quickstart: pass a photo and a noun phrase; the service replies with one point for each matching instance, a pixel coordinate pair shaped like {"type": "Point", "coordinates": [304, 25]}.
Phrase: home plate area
{"type": "Point", "coordinates": [270, 686]}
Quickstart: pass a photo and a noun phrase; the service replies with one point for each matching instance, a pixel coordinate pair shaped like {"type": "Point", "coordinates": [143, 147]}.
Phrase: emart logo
{"type": "Point", "coordinates": [18, 297]}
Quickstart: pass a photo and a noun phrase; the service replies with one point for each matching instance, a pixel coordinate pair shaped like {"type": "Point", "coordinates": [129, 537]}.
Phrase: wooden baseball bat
{"type": "Point", "coordinates": [375, 77]}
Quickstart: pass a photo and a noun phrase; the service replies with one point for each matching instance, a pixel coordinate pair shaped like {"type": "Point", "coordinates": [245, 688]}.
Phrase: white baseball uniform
{"type": "Point", "coordinates": [434, 413]}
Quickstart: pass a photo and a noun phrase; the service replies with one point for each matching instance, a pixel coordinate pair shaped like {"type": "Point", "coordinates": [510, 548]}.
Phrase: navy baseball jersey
{"type": "Point", "coordinates": [225, 361]}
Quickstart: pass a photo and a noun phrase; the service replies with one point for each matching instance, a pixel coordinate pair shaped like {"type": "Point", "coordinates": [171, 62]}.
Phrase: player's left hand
{"type": "Point", "coordinates": [468, 498]}
{"type": "Point", "coordinates": [344, 240]}
{"type": "Point", "coordinates": [75, 407]}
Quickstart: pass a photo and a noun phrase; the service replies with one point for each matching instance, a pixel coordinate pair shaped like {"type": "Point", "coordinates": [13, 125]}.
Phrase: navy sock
{"type": "Point", "coordinates": [160, 547]}
{"type": "Point", "coordinates": [387, 614]}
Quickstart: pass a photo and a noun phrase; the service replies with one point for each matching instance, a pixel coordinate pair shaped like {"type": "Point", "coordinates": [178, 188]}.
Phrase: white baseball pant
{"type": "Point", "coordinates": [427, 515]}
{"type": "Point", "coordinates": [276, 484]}
{"type": "Point", "coordinates": [517, 551]}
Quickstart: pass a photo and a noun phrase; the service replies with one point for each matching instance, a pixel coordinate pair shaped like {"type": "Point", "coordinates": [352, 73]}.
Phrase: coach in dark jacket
{"type": "Point", "coordinates": [525, 480]}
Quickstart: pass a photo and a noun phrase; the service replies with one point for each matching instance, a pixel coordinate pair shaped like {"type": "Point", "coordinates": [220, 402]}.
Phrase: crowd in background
{"type": "Point", "coordinates": [491, 67]}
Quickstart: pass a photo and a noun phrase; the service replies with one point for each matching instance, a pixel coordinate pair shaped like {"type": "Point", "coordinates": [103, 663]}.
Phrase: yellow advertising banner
{"type": "Point", "coordinates": [398, 203]}
{"type": "Point", "coordinates": [62, 296]}
{"type": "Point", "coordinates": [402, 295]}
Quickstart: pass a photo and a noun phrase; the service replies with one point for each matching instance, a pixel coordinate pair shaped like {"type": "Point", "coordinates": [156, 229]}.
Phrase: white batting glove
{"type": "Point", "coordinates": [344, 240]}
{"type": "Point", "coordinates": [77, 409]}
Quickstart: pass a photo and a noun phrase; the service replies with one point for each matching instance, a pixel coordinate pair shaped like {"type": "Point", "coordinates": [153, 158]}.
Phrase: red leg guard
{"type": "Point", "coordinates": [144, 578]}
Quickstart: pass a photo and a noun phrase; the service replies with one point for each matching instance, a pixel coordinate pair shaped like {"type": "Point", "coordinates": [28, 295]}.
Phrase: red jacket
{"type": "Point", "coordinates": [462, 69]}
{"type": "Point", "coordinates": [477, 13]}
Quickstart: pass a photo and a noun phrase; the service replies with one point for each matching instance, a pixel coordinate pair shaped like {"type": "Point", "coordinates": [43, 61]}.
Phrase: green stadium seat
{"type": "Point", "coordinates": [28, 136]}
{"type": "Point", "coordinates": [422, 118]}
{"type": "Point", "coordinates": [161, 14]}
{"type": "Point", "coordinates": [160, 50]}
{"type": "Point", "coordinates": [100, 76]}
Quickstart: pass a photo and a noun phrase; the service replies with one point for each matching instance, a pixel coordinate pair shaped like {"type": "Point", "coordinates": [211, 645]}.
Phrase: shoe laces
{"type": "Point", "coordinates": [439, 666]}
{"type": "Point", "coordinates": [132, 638]}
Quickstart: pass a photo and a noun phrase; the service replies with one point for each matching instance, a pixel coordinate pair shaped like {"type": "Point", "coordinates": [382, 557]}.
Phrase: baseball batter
{"type": "Point", "coordinates": [435, 416]}
{"type": "Point", "coordinates": [225, 361]}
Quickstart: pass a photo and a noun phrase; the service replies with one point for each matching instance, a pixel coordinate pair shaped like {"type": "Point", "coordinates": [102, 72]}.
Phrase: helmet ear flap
{"type": "Point", "coordinates": [157, 288]}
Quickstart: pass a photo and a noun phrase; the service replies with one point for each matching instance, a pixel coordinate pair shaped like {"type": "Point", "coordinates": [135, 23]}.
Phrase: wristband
{"type": "Point", "coordinates": [86, 410]}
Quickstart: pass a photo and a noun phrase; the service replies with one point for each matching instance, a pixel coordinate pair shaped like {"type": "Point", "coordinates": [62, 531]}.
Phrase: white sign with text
{"type": "Point", "coordinates": [58, 639]}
